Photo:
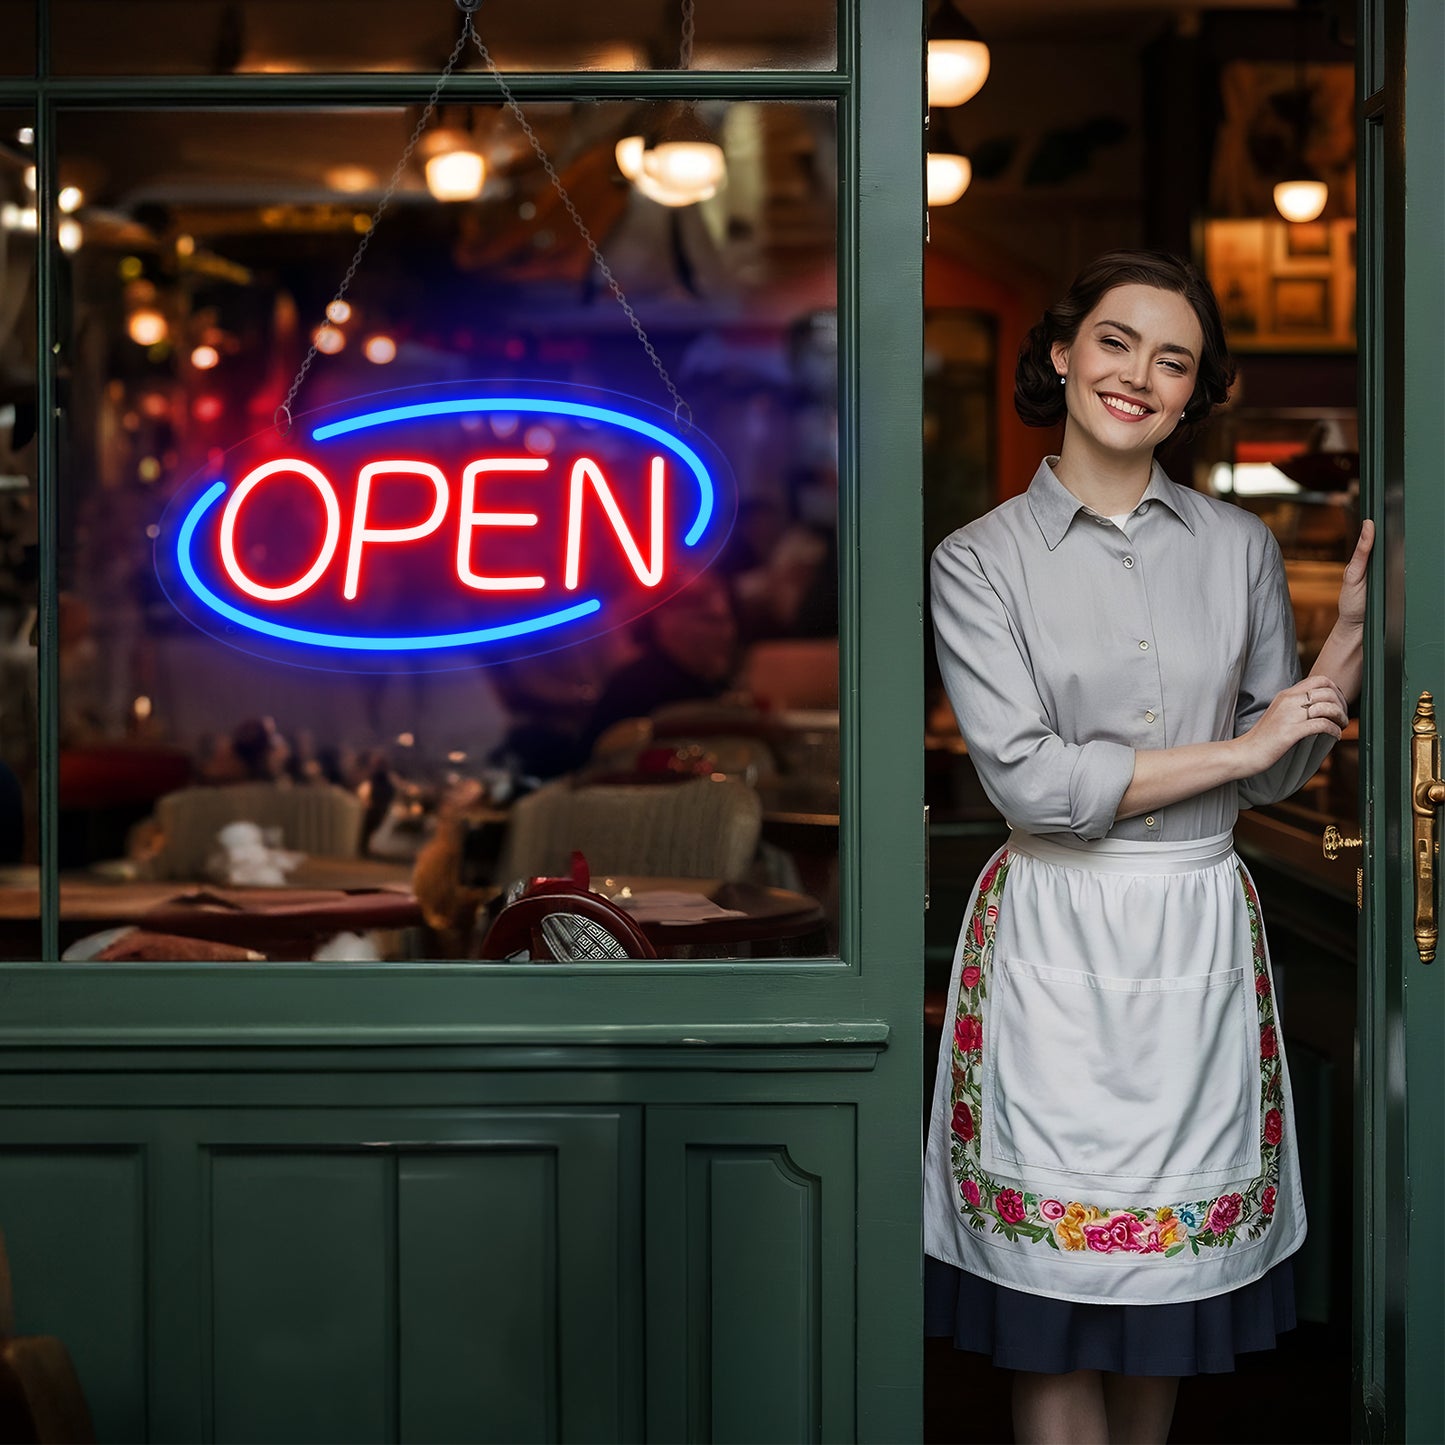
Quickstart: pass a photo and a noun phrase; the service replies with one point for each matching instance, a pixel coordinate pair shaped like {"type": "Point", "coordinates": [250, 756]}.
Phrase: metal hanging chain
{"type": "Point", "coordinates": [681, 411]}
{"type": "Point", "coordinates": [282, 416]}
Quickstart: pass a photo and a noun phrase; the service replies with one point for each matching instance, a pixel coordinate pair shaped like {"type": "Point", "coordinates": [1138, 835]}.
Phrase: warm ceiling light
{"type": "Point", "coordinates": [454, 169]}
{"type": "Point", "coordinates": [958, 59]}
{"type": "Point", "coordinates": [329, 340]}
{"type": "Point", "coordinates": [29, 178]}
{"type": "Point", "coordinates": [629, 152]}
{"type": "Point", "coordinates": [69, 198]}
{"type": "Point", "coordinates": [379, 350]}
{"type": "Point", "coordinates": [681, 153]}
{"type": "Point", "coordinates": [26, 135]}
{"type": "Point", "coordinates": [203, 358]}
{"type": "Point", "coordinates": [70, 235]}
{"type": "Point", "coordinates": [948, 178]}
{"type": "Point", "coordinates": [185, 245]}
{"type": "Point", "coordinates": [147, 326]}
{"type": "Point", "coordinates": [349, 179]}
{"type": "Point", "coordinates": [339, 312]}
{"type": "Point", "coordinates": [1300, 200]}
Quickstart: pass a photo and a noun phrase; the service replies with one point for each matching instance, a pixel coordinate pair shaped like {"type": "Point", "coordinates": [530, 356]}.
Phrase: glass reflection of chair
{"type": "Point", "coordinates": [317, 819]}
{"type": "Point", "coordinates": [704, 828]}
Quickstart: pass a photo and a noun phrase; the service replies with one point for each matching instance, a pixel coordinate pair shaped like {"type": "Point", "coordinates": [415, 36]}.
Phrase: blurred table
{"type": "Point", "coordinates": [325, 896]}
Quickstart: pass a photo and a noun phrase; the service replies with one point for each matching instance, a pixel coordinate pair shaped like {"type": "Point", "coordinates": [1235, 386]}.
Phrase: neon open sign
{"type": "Point", "coordinates": [451, 526]}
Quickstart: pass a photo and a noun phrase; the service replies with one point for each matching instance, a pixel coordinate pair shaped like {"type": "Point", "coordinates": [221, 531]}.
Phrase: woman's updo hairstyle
{"type": "Point", "coordinates": [1038, 397]}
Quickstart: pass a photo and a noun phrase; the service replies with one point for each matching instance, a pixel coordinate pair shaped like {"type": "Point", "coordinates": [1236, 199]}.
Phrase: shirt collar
{"type": "Point", "coordinates": [1054, 506]}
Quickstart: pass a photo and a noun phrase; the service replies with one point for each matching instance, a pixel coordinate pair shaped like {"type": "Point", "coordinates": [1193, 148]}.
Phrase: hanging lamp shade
{"type": "Point", "coordinates": [681, 154]}
{"type": "Point", "coordinates": [455, 169]}
{"type": "Point", "coordinates": [958, 58]}
{"type": "Point", "coordinates": [629, 152]}
{"type": "Point", "coordinates": [1301, 199]}
{"type": "Point", "coordinates": [948, 177]}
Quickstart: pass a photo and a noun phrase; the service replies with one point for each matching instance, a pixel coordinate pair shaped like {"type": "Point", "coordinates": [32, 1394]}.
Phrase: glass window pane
{"type": "Point", "coordinates": [19, 740]}
{"type": "Point", "coordinates": [17, 37]}
{"type": "Point", "coordinates": [210, 251]}
{"type": "Point", "coordinates": [207, 37]}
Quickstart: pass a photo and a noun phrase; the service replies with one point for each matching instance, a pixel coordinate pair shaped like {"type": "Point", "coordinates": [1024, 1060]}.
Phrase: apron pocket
{"type": "Point", "coordinates": [1116, 1081]}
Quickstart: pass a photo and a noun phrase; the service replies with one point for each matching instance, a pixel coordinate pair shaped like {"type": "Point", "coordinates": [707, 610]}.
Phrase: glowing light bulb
{"type": "Point", "coordinates": [379, 350]}
{"type": "Point", "coordinates": [456, 175]}
{"type": "Point", "coordinates": [203, 358]}
{"type": "Point", "coordinates": [957, 70]}
{"type": "Point", "coordinates": [329, 340]}
{"type": "Point", "coordinates": [147, 326]}
{"type": "Point", "coordinates": [629, 152]}
{"type": "Point", "coordinates": [339, 312]}
{"type": "Point", "coordinates": [1300, 200]}
{"type": "Point", "coordinates": [69, 234]}
{"type": "Point", "coordinates": [70, 198]}
{"type": "Point", "coordinates": [948, 178]}
{"type": "Point", "coordinates": [685, 165]}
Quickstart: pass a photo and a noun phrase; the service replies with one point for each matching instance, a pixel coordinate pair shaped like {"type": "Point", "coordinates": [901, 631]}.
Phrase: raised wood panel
{"type": "Point", "coordinates": [302, 1296]}
{"type": "Point", "coordinates": [74, 1222]}
{"type": "Point", "coordinates": [751, 1285]}
{"type": "Point", "coordinates": [480, 1328]}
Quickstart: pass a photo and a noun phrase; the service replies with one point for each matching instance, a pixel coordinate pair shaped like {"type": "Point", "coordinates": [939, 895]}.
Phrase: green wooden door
{"type": "Point", "coordinates": [472, 1201]}
{"type": "Point", "coordinates": [1401, 1263]}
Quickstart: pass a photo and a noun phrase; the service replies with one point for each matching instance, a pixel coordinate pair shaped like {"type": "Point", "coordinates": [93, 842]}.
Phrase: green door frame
{"type": "Point", "coordinates": [1400, 1260]}
{"type": "Point", "coordinates": [863, 1008]}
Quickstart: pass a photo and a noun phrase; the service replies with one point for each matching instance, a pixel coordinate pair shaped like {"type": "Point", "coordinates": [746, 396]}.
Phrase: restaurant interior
{"type": "Point", "coordinates": [683, 770]}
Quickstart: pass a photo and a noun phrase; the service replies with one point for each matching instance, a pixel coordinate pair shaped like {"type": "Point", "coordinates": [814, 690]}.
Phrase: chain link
{"type": "Point", "coordinates": [681, 411]}
{"type": "Point", "coordinates": [689, 31]}
{"type": "Point", "coordinates": [284, 410]}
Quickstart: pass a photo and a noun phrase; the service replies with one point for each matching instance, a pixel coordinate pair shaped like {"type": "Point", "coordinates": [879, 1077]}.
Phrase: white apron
{"type": "Point", "coordinates": [1112, 1119]}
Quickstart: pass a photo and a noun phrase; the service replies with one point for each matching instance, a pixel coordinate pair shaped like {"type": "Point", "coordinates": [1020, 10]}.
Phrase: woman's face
{"type": "Point", "coordinates": [1131, 369]}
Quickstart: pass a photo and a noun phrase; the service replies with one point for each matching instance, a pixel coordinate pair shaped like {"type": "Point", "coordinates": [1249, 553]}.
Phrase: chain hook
{"type": "Point", "coordinates": [282, 421]}
{"type": "Point", "coordinates": [682, 416]}
{"type": "Point", "coordinates": [469, 7]}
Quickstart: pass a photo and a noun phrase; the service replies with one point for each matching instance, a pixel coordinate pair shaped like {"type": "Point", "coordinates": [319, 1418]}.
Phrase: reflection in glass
{"type": "Point", "coordinates": [209, 260]}
{"type": "Point", "coordinates": [19, 741]}
{"type": "Point", "coordinates": [218, 37]}
{"type": "Point", "coordinates": [17, 37]}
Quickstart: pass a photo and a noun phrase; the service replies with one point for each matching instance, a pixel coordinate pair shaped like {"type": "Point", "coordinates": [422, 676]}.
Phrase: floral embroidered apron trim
{"type": "Point", "coordinates": [1060, 1224]}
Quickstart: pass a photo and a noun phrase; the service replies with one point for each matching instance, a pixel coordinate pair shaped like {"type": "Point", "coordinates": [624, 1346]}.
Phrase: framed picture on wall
{"type": "Point", "coordinates": [1283, 286]}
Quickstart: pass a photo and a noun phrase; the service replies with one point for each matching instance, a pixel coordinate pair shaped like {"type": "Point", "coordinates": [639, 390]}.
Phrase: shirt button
{"type": "Point", "coordinates": [1143, 507]}
{"type": "Point", "coordinates": [1149, 821]}
{"type": "Point", "coordinates": [1148, 717]}
{"type": "Point", "coordinates": [1143, 647]}
{"type": "Point", "coordinates": [1128, 561]}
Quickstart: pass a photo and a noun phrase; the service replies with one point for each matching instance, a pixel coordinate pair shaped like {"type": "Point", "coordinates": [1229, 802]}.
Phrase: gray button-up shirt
{"type": "Point", "coordinates": [1067, 644]}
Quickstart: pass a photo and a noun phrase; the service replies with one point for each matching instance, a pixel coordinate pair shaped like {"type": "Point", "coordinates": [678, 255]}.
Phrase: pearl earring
{"type": "Point", "coordinates": [1063, 379]}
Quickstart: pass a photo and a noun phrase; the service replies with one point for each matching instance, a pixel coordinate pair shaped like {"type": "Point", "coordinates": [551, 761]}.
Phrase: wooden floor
{"type": "Point", "coordinates": [1299, 1392]}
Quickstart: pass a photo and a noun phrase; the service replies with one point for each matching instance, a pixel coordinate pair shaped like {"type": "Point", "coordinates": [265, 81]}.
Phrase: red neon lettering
{"type": "Point", "coordinates": [244, 488]}
{"type": "Point", "coordinates": [361, 534]}
{"type": "Point", "coordinates": [471, 519]}
{"type": "Point", "coordinates": [585, 470]}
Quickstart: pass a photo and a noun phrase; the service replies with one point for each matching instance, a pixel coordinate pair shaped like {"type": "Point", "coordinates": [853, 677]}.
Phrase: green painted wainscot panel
{"type": "Point", "coordinates": [74, 1222]}
{"type": "Point", "coordinates": [751, 1220]}
{"type": "Point", "coordinates": [406, 1285]}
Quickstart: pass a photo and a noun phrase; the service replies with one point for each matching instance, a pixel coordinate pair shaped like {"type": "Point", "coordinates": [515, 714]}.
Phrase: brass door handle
{"type": "Point", "coordinates": [1427, 792]}
{"type": "Point", "coordinates": [1335, 842]}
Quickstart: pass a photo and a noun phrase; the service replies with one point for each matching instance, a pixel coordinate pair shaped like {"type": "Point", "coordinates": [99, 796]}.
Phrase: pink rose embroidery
{"type": "Point", "coordinates": [986, 882]}
{"type": "Point", "coordinates": [971, 976]}
{"type": "Point", "coordinates": [1268, 1045]}
{"type": "Point", "coordinates": [968, 1033]}
{"type": "Point", "coordinates": [1273, 1127]}
{"type": "Point", "coordinates": [1010, 1206]}
{"type": "Point", "coordinates": [1118, 1232]}
{"type": "Point", "coordinates": [978, 930]}
{"type": "Point", "coordinates": [970, 1192]}
{"type": "Point", "coordinates": [1051, 1209]}
{"type": "Point", "coordinates": [1266, 1202]}
{"type": "Point", "coordinates": [1224, 1213]}
{"type": "Point", "coordinates": [962, 1121]}
{"type": "Point", "coordinates": [1261, 985]}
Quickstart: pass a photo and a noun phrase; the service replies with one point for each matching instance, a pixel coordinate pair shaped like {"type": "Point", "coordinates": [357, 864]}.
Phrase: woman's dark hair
{"type": "Point", "coordinates": [1038, 397]}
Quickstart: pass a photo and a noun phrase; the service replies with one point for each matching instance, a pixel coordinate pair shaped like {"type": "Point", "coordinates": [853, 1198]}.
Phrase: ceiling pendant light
{"type": "Point", "coordinates": [1301, 195]}
{"type": "Point", "coordinates": [958, 58]}
{"type": "Point", "coordinates": [949, 170]}
{"type": "Point", "coordinates": [454, 168]}
{"type": "Point", "coordinates": [629, 152]}
{"type": "Point", "coordinates": [681, 153]}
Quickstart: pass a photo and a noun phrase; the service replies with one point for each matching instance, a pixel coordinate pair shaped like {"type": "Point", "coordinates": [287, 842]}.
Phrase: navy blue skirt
{"type": "Point", "coordinates": [1053, 1337]}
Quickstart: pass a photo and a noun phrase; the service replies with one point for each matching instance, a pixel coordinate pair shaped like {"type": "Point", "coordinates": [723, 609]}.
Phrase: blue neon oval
{"type": "Point", "coordinates": [470, 405]}
{"type": "Point", "coordinates": [426, 642]}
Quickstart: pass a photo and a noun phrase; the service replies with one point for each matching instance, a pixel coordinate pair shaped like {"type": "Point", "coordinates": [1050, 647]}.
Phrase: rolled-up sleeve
{"type": "Point", "coordinates": [1039, 782]}
{"type": "Point", "coordinates": [1271, 665]}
